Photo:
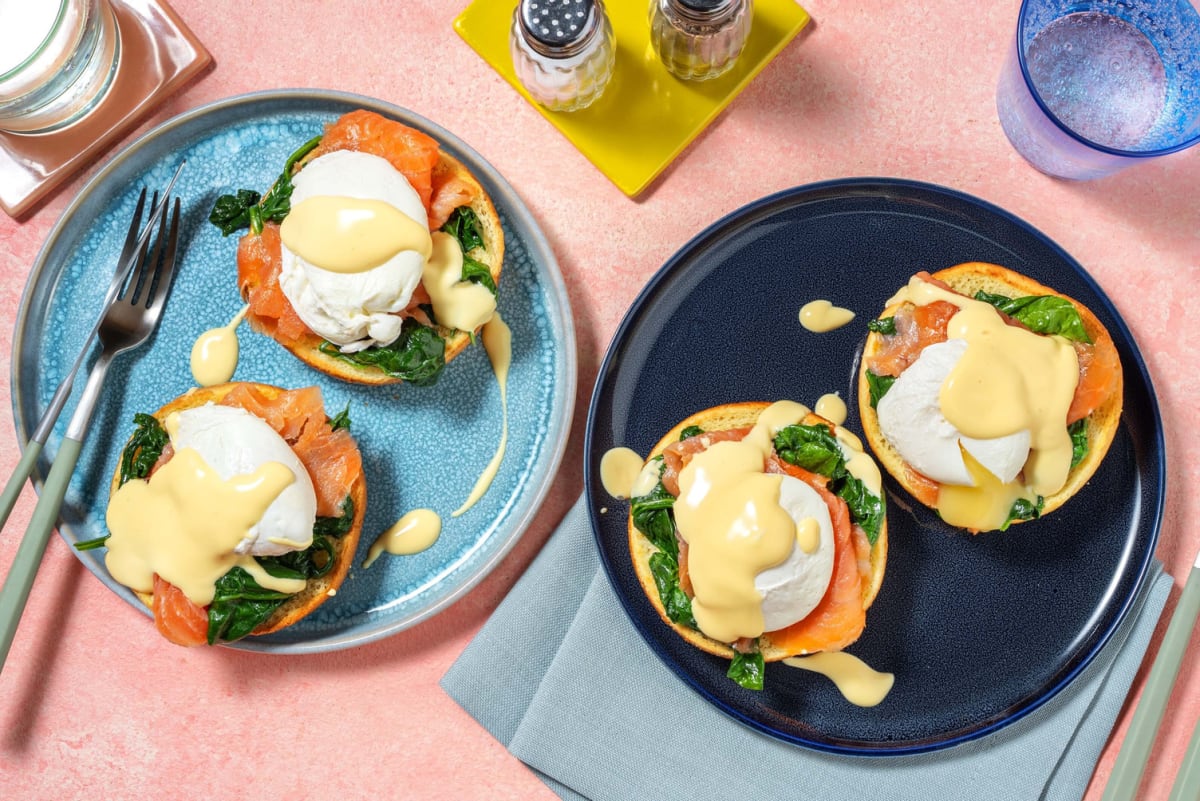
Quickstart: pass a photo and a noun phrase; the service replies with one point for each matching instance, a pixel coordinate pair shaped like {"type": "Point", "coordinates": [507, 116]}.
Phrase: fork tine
{"type": "Point", "coordinates": [149, 260]}
{"type": "Point", "coordinates": [137, 272]}
{"type": "Point", "coordinates": [135, 228]}
{"type": "Point", "coordinates": [164, 271]}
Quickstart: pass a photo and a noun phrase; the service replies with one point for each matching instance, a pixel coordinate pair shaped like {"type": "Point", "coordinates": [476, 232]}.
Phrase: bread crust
{"type": "Point", "coordinates": [968, 278]}
{"type": "Point", "coordinates": [317, 590]}
{"type": "Point", "coordinates": [719, 418]}
{"type": "Point", "coordinates": [308, 348]}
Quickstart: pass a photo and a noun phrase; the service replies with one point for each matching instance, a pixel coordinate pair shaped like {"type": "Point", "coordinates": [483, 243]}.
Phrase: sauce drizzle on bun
{"type": "Point", "coordinates": [743, 540]}
{"type": "Point", "coordinates": [988, 396]}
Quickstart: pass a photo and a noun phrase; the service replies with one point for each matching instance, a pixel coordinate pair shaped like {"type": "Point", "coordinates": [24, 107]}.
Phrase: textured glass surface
{"type": "Point", "coordinates": [699, 46]}
{"type": "Point", "coordinates": [572, 80]}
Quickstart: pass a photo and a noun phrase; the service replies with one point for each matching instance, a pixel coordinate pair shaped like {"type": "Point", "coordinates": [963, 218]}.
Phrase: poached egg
{"type": "Point", "coordinates": [791, 590]}
{"type": "Point", "coordinates": [911, 419]}
{"type": "Point", "coordinates": [354, 310]}
{"type": "Point", "coordinates": [234, 442]}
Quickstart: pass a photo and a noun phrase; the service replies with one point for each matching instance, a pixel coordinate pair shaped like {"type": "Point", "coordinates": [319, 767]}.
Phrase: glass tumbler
{"type": "Point", "coordinates": [1092, 86]}
{"type": "Point", "coordinates": [57, 59]}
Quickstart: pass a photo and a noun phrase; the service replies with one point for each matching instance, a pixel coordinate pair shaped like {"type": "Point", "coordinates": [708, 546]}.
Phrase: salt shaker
{"type": "Point", "coordinates": [699, 39]}
{"type": "Point", "coordinates": [563, 51]}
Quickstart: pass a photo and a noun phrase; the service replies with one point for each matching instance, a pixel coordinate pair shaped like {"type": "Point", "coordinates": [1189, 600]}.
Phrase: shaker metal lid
{"type": "Point", "coordinates": [556, 23]}
{"type": "Point", "coordinates": [704, 6]}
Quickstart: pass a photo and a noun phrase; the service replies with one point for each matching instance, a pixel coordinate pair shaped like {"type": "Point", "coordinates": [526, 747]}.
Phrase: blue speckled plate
{"type": "Point", "coordinates": [422, 447]}
{"type": "Point", "coordinates": [979, 631]}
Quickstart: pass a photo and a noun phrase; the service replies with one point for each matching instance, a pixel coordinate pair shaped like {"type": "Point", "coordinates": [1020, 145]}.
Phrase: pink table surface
{"type": "Point", "coordinates": [94, 704]}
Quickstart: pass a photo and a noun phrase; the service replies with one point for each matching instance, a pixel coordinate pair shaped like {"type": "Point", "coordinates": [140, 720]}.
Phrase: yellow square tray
{"type": "Point", "coordinates": [646, 116]}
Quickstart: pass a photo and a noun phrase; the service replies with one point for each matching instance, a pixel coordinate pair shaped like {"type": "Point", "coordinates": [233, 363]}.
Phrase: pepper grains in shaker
{"type": "Point", "coordinates": [562, 51]}
{"type": "Point", "coordinates": [699, 39]}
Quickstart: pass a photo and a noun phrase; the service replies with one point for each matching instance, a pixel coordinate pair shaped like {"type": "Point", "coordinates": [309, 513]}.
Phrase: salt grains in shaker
{"type": "Point", "coordinates": [562, 51]}
{"type": "Point", "coordinates": [699, 39]}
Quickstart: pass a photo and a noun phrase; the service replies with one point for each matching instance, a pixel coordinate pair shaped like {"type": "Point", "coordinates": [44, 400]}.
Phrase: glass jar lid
{"type": "Point", "coordinates": [557, 27]}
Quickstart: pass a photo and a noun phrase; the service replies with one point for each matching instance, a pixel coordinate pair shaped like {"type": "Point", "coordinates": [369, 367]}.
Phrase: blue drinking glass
{"type": "Point", "coordinates": [1090, 87]}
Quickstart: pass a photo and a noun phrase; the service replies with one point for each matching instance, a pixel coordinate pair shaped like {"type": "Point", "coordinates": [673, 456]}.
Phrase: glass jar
{"type": "Point", "coordinates": [698, 40]}
{"type": "Point", "coordinates": [57, 60]}
{"type": "Point", "coordinates": [562, 51]}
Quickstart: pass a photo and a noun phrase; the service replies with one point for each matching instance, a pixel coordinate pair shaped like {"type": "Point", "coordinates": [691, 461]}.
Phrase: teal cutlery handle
{"type": "Point", "coordinates": [1135, 749]}
{"type": "Point", "coordinates": [1187, 781]}
{"type": "Point", "coordinates": [25, 564]}
{"type": "Point", "coordinates": [16, 482]}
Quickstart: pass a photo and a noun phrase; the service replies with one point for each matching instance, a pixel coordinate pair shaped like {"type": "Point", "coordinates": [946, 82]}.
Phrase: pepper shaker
{"type": "Point", "coordinates": [698, 40]}
{"type": "Point", "coordinates": [563, 51]}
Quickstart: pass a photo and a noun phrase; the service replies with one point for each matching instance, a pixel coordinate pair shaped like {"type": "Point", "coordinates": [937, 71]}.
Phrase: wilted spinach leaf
{"type": "Point", "coordinates": [884, 325]}
{"type": "Point", "coordinates": [1079, 440]}
{"type": "Point", "coordinates": [747, 669]}
{"type": "Point", "coordinates": [144, 448]}
{"type": "Point", "coordinates": [245, 209]}
{"type": "Point", "coordinates": [1043, 314]}
{"type": "Point", "coordinates": [239, 606]}
{"type": "Point", "coordinates": [464, 226]}
{"type": "Point", "coordinates": [878, 386]}
{"type": "Point", "coordinates": [417, 356]}
{"type": "Point", "coordinates": [676, 603]}
{"type": "Point", "coordinates": [1024, 509]}
{"type": "Point", "coordinates": [811, 447]}
{"type": "Point", "coordinates": [651, 514]}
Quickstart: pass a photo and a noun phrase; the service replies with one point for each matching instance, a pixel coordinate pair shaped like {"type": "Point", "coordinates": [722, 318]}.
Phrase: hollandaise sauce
{"type": "Point", "coordinates": [460, 304]}
{"type": "Point", "coordinates": [821, 316]}
{"type": "Point", "coordinates": [1008, 380]}
{"type": "Point", "coordinates": [856, 680]}
{"type": "Point", "coordinates": [497, 340]}
{"type": "Point", "coordinates": [729, 513]}
{"type": "Point", "coordinates": [414, 532]}
{"type": "Point", "coordinates": [619, 470]}
{"type": "Point", "coordinates": [215, 353]}
{"type": "Point", "coordinates": [351, 235]}
{"type": "Point", "coordinates": [184, 522]}
{"type": "Point", "coordinates": [832, 408]}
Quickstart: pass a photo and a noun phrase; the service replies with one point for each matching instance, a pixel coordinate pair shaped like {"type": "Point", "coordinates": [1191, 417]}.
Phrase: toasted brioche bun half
{"type": "Point", "coordinates": [317, 589]}
{"type": "Point", "coordinates": [720, 418]}
{"type": "Point", "coordinates": [967, 279]}
{"type": "Point", "coordinates": [308, 348]}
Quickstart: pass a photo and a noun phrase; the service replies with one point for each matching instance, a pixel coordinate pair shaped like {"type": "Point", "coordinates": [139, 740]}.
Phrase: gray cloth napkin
{"type": "Point", "coordinates": [547, 676]}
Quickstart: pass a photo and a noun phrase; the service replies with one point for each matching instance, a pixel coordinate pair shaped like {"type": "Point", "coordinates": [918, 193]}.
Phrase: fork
{"type": "Point", "coordinates": [33, 449]}
{"type": "Point", "coordinates": [127, 322]}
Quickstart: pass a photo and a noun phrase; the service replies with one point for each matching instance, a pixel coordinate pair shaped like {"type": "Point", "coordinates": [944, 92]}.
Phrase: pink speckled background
{"type": "Point", "coordinates": [94, 704]}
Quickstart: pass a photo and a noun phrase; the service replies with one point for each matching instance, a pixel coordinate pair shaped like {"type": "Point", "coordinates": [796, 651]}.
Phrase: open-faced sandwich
{"type": "Point", "coordinates": [235, 510]}
{"type": "Point", "coordinates": [759, 532]}
{"type": "Point", "coordinates": [375, 255]}
{"type": "Point", "coordinates": [989, 397]}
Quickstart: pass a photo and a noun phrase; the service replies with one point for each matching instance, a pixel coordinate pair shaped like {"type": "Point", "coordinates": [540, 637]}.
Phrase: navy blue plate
{"type": "Point", "coordinates": [978, 630]}
{"type": "Point", "coordinates": [422, 446]}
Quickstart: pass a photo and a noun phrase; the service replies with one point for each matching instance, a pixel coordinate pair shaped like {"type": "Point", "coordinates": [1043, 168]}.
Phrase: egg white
{"type": "Point", "coordinates": [910, 417]}
{"type": "Point", "coordinates": [791, 590]}
{"type": "Point", "coordinates": [234, 442]}
{"type": "Point", "coordinates": [354, 311]}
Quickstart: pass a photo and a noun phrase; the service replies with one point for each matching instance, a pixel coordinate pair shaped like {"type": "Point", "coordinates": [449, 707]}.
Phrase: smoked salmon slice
{"type": "Point", "coordinates": [839, 619]}
{"type": "Point", "coordinates": [298, 415]}
{"type": "Point", "coordinates": [176, 617]}
{"type": "Point", "coordinates": [259, 260]}
{"type": "Point", "coordinates": [413, 153]}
